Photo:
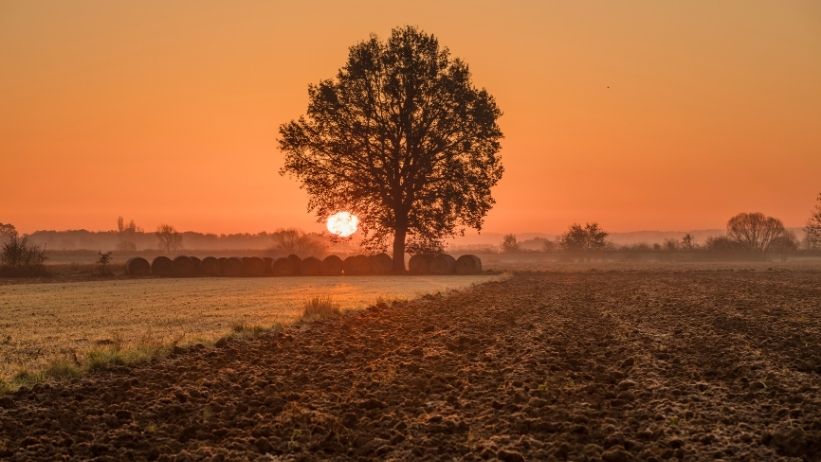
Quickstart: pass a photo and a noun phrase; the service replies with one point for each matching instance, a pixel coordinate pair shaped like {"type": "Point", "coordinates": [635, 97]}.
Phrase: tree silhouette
{"type": "Point", "coordinates": [170, 239]}
{"type": "Point", "coordinates": [755, 230]}
{"type": "Point", "coordinates": [589, 237]}
{"type": "Point", "coordinates": [813, 228]}
{"type": "Point", "coordinates": [127, 234]}
{"type": "Point", "coordinates": [401, 138]}
{"type": "Point", "coordinates": [7, 232]}
{"type": "Point", "coordinates": [510, 244]}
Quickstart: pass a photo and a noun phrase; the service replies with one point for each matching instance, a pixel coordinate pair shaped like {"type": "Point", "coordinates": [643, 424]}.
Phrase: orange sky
{"type": "Point", "coordinates": [167, 111]}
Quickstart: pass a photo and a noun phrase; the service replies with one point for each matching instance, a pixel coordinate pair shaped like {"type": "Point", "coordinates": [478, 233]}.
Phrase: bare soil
{"type": "Point", "coordinates": [613, 366]}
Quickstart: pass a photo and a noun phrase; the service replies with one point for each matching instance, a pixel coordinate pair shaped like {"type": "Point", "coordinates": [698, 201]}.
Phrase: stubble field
{"type": "Point", "coordinates": [44, 322]}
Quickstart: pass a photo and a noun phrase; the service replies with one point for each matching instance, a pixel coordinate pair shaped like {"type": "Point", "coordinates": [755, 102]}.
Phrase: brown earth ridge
{"type": "Point", "coordinates": [613, 366]}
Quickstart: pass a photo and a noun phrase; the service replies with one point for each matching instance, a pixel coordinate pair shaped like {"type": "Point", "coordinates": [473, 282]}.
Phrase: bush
{"type": "Point", "coordinates": [20, 258]}
{"type": "Point", "coordinates": [103, 263]}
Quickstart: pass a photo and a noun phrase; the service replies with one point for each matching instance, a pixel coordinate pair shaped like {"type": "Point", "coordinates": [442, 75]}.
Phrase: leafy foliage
{"type": "Point", "coordinates": [402, 139]}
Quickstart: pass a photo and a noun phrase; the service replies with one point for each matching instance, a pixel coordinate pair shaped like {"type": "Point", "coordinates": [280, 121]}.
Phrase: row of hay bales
{"type": "Point", "coordinates": [292, 265]}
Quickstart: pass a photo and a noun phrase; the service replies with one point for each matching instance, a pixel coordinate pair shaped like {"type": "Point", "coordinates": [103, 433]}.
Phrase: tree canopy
{"type": "Point", "coordinates": [589, 237]}
{"type": "Point", "coordinates": [401, 138]}
{"type": "Point", "coordinates": [755, 230]}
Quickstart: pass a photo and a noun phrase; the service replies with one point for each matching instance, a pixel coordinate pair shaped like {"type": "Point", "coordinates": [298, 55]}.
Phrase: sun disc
{"type": "Point", "coordinates": [342, 224]}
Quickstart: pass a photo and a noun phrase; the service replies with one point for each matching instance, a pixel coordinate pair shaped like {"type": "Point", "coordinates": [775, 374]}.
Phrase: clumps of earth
{"type": "Point", "coordinates": [613, 366]}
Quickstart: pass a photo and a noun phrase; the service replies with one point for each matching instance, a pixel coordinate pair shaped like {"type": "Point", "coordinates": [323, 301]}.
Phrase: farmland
{"type": "Point", "coordinates": [585, 365]}
{"type": "Point", "coordinates": [41, 322]}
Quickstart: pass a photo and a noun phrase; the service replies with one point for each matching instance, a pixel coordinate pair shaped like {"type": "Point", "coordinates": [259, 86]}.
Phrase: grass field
{"type": "Point", "coordinates": [41, 323]}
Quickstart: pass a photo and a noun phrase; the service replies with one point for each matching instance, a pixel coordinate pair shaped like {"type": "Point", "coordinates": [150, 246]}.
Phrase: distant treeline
{"type": "Point", "coordinates": [112, 240]}
{"type": "Point", "coordinates": [748, 236]}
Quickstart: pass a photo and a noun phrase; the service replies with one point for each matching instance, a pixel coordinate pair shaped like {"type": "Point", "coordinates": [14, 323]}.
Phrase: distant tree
{"type": "Point", "coordinates": [7, 232]}
{"type": "Point", "coordinates": [813, 228]}
{"type": "Point", "coordinates": [295, 242]}
{"type": "Point", "coordinates": [688, 242]}
{"type": "Point", "coordinates": [170, 240]}
{"type": "Point", "coordinates": [127, 235]}
{"type": "Point", "coordinates": [510, 244]}
{"type": "Point", "coordinates": [589, 237]}
{"type": "Point", "coordinates": [575, 238]}
{"type": "Point", "coordinates": [402, 139]}
{"type": "Point", "coordinates": [755, 230]}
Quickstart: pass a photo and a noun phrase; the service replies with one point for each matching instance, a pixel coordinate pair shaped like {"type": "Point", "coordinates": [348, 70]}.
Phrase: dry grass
{"type": "Point", "coordinates": [55, 330]}
{"type": "Point", "coordinates": [319, 308]}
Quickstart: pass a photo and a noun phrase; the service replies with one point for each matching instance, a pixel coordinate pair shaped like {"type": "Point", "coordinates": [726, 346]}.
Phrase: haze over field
{"type": "Point", "coordinates": [640, 116]}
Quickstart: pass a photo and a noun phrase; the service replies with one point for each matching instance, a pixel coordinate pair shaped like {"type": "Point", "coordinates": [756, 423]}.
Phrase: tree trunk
{"type": "Point", "coordinates": [399, 249]}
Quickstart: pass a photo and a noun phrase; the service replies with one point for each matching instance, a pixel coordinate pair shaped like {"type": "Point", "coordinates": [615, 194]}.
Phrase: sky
{"type": "Point", "coordinates": [640, 115]}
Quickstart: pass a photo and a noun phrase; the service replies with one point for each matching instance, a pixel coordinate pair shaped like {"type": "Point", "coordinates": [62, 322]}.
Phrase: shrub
{"type": "Point", "coordinates": [21, 258]}
{"type": "Point", "coordinates": [104, 262]}
{"type": "Point", "coordinates": [18, 252]}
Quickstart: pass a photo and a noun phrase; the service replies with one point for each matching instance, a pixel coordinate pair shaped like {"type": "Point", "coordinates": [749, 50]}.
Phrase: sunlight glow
{"type": "Point", "coordinates": [342, 224]}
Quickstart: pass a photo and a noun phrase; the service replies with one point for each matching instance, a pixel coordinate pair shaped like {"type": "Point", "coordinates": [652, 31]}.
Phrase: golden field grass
{"type": "Point", "coordinates": [60, 326]}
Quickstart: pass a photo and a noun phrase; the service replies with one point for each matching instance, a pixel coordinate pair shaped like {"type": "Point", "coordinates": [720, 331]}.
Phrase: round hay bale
{"type": "Point", "coordinates": [381, 263]}
{"type": "Point", "coordinates": [197, 266]}
{"type": "Point", "coordinates": [285, 266]}
{"type": "Point", "coordinates": [269, 265]}
{"type": "Point", "coordinates": [253, 266]}
{"type": "Point", "coordinates": [137, 266]}
{"type": "Point", "coordinates": [357, 265]}
{"type": "Point", "coordinates": [231, 267]}
{"type": "Point", "coordinates": [419, 264]}
{"type": "Point", "coordinates": [468, 264]}
{"type": "Point", "coordinates": [310, 266]}
{"type": "Point", "coordinates": [182, 267]}
{"type": "Point", "coordinates": [210, 266]}
{"type": "Point", "coordinates": [442, 264]}
{"type": "Point", "coordinates": [162, 266]}
{"type": "Point", "coordinates": [332, 266]}
{"type": "Point", "coordinates": [295, 259]}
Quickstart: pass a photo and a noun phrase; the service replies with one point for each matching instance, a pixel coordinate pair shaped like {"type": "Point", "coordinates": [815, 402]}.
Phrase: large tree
{"type": "Point", "coordinates": [401, 138]}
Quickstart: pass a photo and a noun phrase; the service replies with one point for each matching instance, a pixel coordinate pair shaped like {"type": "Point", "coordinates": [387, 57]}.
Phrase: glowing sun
{"type": "Point", "coordinates": [342, 224]}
